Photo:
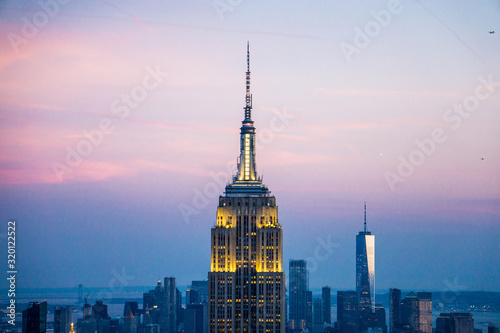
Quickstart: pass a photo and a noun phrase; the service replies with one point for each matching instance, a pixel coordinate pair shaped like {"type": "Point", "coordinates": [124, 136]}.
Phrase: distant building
{"type": "Point", "coordinates": [163, 305]}
{"type": "Point", "coordinates": [416, 312]}
{"type": "Point", "coordinates": [455, 323]}
{"type": "Point", "coordinates": [151, 298]}
{"type": "Point", "coordinates": [394, 310]}
{"type": "Point", "coordinates": [35, 318]}
{"type": "Point", "coordinates": [326, 296]}
{"type": "Point", "coordinates": [200, 291]}
{"type": "Point", "coordinates": [192, 296]}
{"type": "Point", "coordinates": [347, 312]}
{"type": "Point", "coordinates": [195, 318]}
{"type": "Point", "coordinates": [425, 312]}
{"type": "Point", "coordinates": [129, 324]}
{"type": "Point", "coordinates": [132, 307]}
{"type": "Point", "coordinates": [100, 310]}
{"type": "Point", "coordinates": [170, 310]}
{"type": "Point", "coordinates": [147, 325]}
{"type": "Point", "coordinates": [318, 311]}
{"type": "Point", "coordinates": [317, 326]}
{"type": "Point", "coordinates": [298, 294]}
{"type": "Point", "coordinates": [62, 319]}
{"type": "Point", "coordinates": [493, 329]}
{"type": "Point", "coordinates": [96, 319]}
{"type": "Point", "coordinates": [365, 275]}
{"type": "Point", "coordinates": [179, 308]}
{"type": "Point", "coordinates": [86, 325]}
{"type": "Point", "coordinates": [309, 309]}
{"type": "Point", "coordinates": [377, 322]}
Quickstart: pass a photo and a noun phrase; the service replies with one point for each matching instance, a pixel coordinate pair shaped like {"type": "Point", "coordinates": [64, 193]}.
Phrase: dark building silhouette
{"type": "Point", "coordinates": [62, 319]}
{"type": "Point", "coordinates": [454, 323]}
{"type": "Point", "coordinates": [35, 318]}
{"type": "Point", "coordinates": [246, 279]}
{"type": "Point", "coordinates": [147, 325]}
{"type": "Point", "coordinates": [180, 309]}
{"type": "Point", "coordinates": [376, 321]}
{"type": "Point", "coordinates": [200, 289]}
{"type": "Point", "coordinates": [80, 293]}
{"type": "Point", "coordinates": [169, 315]}
{"type": "Point", "coordinates": [129, 324]}
{"type": "Point", "coordinates": [347, 312]}
{"type": "Point", "coordinates": [309, 309]}
{"type": "Point", "coordinates": [195, 317]}
{"type": "Point", "coordinates": [192, 297]}
{"type": "Point", "coordinates": [163, 306]}
{"type": "Point", "coordinates": [153, 298]}
{"type": "Point", "coordinates": [394, 310]}
{"type": "Point", "coordinates": [298, 278]}
{"type": "Point", "coordinates": [132, 307]}
{"type": "Point", "coordinates": [493, 329]}
{"type": "Point", "coordinates": [100, 310]}
{"type": "Point", "coordinates": [318, 311]}
{"type": "Point", "coordinates": [96, 319]}
{"type": "Point", "coordinates": [326, 297]}
{"type": "Point", "coordinates": [317, 326]}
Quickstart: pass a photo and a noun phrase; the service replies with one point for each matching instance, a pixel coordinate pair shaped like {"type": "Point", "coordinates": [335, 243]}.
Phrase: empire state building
{"type": "Point", "coordinates": [246, 281]}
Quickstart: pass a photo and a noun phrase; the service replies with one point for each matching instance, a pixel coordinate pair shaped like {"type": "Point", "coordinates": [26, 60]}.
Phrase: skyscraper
{"type": "Point", "coordinates": [455, 323]}
{"type": "Point", "coordinates": [365, 275]}
{"type": "Point", "coordinates": [309, 309]}
{"type": "Point", "coordinates": [62, 319]}
{"type": "Point", "coordinates": [347, 312]}
{"type": "Point", "coordinates": [35, 318]}
{"type": "Point", "coordinates": [318, 310]}
{"type": "Point", "coordinates": [425, 312]}
{"type": "Point", "coordinates": [197, 292]}
{"type": "Point", "coordinates": [317, 326]}
{"type": "Point", "coordinates": [394, 309]}
{"type": "Point", "coordinates": [298, 279]}
{"type": "Point", "coordinates": [171, 308]}
{"type": "Point", "coordinates": [326, 296]}
{"type": "Point", "coordinates": [416, 312]}
{"type": "Point", "coordinates": [246, 282]}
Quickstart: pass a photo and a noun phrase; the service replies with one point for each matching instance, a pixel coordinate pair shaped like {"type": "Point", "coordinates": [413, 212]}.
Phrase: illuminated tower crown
{"type": "Point", "coordinates": [246, 181]}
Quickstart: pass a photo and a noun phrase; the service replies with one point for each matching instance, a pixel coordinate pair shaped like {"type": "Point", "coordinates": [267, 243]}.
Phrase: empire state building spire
{"type": "Point", "coordinates": [248, 99]}
{"type": "Point", "coordinates": [246, 181]}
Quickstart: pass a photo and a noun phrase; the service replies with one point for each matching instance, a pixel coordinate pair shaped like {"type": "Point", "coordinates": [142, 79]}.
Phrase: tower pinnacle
{"type": "Point", "coordinates": [365, 216]}
{"type": "Point", "coordinates": [247, 181]}
{"type": "Point", "coordinates": [248, 97]}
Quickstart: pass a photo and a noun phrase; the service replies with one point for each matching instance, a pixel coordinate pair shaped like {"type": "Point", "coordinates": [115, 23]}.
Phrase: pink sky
{"type": "Point", "coordinates": [348, 123]}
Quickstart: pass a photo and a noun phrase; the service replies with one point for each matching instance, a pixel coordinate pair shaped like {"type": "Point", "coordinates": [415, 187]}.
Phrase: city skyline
{"type": "Point", "coordinates": [333, 127]}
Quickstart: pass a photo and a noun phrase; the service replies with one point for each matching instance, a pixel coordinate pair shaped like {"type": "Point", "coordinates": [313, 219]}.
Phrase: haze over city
{"type": "Point", "coordinates": [349, 105]}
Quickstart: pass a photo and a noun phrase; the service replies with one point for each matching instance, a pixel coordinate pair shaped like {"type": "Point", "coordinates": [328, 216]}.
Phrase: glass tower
{"type": "Point", "coordinates": [246, 287]}
{"type": "Point", "coordinates": [365, 275]}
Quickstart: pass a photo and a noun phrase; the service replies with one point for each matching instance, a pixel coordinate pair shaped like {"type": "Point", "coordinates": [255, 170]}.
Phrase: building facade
{"type": "Point", "coordinates": [35, 318]}
{"type": "Point", "coordinates": [347, 312]}
{"type": "Point", "coordinates": [298, 278]}
{"type": "Point", "coordinates": [246, 283]}
{"type": "Point", "coordinates": [394, 310]}
{"type": "Point", "coordinates": [62, 319]}
{"type": "Point", "coordinates": [456, 322]}
{"type": "Point", "coordinates": [416, 312]}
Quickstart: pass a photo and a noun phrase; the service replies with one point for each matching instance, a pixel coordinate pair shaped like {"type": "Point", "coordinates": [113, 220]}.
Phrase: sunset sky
{"type": "Point", "coordinates": [119, 125]}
